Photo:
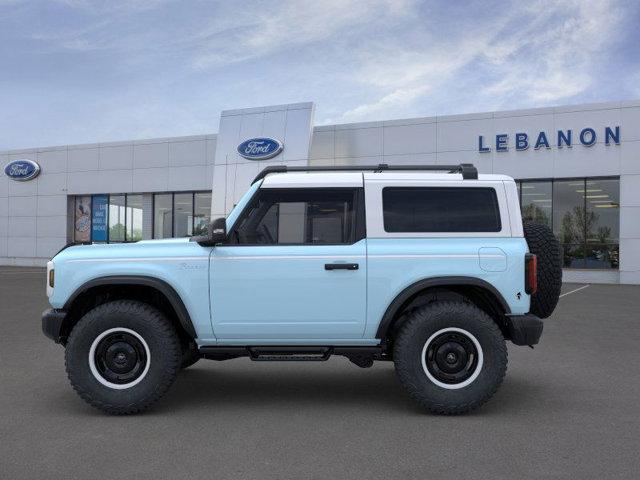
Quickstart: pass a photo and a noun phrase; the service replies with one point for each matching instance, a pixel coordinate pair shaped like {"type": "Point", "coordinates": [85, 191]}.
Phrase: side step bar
{"type": "Point", "coordinates": [289, 354]}
{"type": "Point", "coordinates": [361, 356]}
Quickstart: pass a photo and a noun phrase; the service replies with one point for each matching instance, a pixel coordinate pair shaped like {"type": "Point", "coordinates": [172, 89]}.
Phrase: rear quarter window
{"type": "Point", "coordinates": [440, 209]}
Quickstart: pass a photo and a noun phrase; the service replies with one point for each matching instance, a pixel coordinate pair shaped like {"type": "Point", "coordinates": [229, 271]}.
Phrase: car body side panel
{"type": "Point", "coordinates": [182, 264]}
{"type": "Point", "coordinates": [395, 264]}
{"type": "Point", "coordinates": [285, 292]}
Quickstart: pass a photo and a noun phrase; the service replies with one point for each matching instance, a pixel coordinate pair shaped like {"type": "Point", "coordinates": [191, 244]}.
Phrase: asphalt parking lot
{"type": "Point", "coordinates": [568, 409]}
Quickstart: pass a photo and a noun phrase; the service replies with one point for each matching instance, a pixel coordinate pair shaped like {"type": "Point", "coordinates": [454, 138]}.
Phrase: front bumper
{"type": "Point", "coordinates": [524, 329]}
{"type": "Point", "coordinates": [53, 323]}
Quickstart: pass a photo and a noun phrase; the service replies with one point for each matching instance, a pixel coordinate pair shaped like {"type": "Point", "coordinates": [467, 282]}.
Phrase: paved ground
{"type": "Point", "coordinates": [568, 409]}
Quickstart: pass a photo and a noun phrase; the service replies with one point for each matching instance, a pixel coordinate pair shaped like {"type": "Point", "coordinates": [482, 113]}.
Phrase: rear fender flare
{"type": "Point", "coordinates": [401, 299]}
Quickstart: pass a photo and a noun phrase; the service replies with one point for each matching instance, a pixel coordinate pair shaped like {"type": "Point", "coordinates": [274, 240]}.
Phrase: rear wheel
{"type": "Point", "coordinates": [122, 356]}
{"type": "Point", "coordinates": [450, 356]}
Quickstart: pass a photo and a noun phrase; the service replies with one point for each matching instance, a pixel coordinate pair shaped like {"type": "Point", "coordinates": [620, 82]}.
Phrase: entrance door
{"type": "Point", "coordinates": [294, 268]}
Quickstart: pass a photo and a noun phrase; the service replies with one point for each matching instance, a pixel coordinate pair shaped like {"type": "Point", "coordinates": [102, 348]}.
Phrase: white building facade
{"type": "Point", "coordinates": [578, 169]}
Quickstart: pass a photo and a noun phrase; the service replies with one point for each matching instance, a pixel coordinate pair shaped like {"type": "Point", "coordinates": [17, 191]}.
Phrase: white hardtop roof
{"type": "Point", "coordinates": [356, 179]}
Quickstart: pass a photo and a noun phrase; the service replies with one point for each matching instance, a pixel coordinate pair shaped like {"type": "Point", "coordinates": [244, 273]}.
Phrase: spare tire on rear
{"type": "Point", "coordinates": [545, 246]}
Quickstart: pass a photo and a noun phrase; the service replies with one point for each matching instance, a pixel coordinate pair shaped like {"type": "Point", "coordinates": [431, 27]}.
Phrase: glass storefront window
{"type": "Point", "coordinates": [183, 215]}
{"type": "Point", "coordinates": [584, 215]}
{"type": "Point", "coordinates": [117, 218]}
{"type": "Point", "coordinates": [536, 202]}
{"type": "Point", "coordinates": [603, 223]}
{"type": "Point", "coordinates": [603, 210]}
{"type": "Point", "coordinates": [162, 215]}
{"type": "Point", "coordinates": [134, 218]}
{"type": "Point", "coordinates": [568, 211]}
{"type": "Point", "coordinates": [82, 219]}
{"type": "Point", "coordinates": [201, 212]}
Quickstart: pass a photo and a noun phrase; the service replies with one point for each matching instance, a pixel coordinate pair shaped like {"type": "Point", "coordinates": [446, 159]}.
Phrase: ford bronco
{"type": "Point", "coordinates": [430, 267]}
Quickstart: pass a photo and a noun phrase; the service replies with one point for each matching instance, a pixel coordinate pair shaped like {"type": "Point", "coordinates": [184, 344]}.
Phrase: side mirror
{"type": "Point", "coordinates": [216, 233]}
{"type": "Point", "coordinates": [218, 230]}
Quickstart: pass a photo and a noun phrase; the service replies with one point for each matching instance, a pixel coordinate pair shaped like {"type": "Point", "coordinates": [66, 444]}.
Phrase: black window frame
{"type": "Point", "coordinates": [492, 190]}
{"type": "Point", "coordinates": [358, 230]}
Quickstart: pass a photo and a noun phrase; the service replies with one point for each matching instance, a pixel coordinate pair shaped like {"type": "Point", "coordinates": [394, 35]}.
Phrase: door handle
{"type": "Point", "coordinates": [341, 266]}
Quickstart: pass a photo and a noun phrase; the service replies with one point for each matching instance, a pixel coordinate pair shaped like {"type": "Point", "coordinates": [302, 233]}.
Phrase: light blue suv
{"type": "Point", "coordinates": [429, 267]}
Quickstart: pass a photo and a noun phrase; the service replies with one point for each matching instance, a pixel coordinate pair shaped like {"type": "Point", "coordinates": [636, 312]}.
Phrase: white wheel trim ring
{"type": "Point", "coordinates": [92, 362]}
{"type": "Point", "coordinates": [469, 380]}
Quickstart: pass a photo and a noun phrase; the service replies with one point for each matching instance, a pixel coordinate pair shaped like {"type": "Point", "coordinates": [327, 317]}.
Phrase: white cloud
{"type": "Point", "coordinates": [555, 63]}
{"type": "Point", "coordinates": [543, 52]}
{"type": "Point", "coordinates": [254, 33]}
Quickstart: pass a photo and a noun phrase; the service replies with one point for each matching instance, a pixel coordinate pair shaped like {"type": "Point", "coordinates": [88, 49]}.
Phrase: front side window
{"type": "Point", "coordinates": [298, 217]}
{"type": "Point", "coordinates": [440, 209]}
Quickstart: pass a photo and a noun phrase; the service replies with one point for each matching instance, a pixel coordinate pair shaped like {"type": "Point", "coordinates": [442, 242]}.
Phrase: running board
{"type": "Point", "coordinates": [289, 354]}
{"type": "Point", "coordinates": [361, 356]}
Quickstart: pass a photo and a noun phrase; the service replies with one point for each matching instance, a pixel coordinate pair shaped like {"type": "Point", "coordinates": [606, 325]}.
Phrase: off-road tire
{"type": "Point", "coordinates": [190, 355]}
{"type": "Point", "coordinates": [546, 247]}
{"type": "Point", "coordinates": [164, 358]}
{"type": "Point", "coordinates": [421, 325]}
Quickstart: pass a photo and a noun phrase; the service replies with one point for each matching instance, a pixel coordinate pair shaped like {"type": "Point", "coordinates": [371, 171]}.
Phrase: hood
{"type": "Point", "coordinates": [170, 247]}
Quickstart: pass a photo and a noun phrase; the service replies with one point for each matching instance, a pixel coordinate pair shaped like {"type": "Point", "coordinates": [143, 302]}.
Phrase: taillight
{"type": "Point", "coordinates": [530, 273]}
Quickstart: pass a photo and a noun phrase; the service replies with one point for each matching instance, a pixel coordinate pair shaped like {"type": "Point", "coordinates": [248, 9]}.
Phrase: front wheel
{"type": "Point", "coordinates": [122, 356]}
{"type": "Point", "coordinates": [451, 357]}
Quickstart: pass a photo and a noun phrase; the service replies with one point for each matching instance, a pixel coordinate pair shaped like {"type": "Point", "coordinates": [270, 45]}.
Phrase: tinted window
{"type": "Point", "coordinates": [310, 216]}
{"type": "Point", "coordinates": [440, 209]}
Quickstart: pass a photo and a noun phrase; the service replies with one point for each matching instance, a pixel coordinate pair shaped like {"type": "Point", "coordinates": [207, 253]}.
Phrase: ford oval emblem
{"type": "Point", "coordinates": [22, 170]}
{"type": "Point", "coordinates": [260, 148]}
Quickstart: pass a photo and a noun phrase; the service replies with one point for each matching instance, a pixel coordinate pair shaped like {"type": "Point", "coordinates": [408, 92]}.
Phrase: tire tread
{"type": "Point", "coordinates": [164, 329]}
{"type": "Point", "coordinates": [403, 363]}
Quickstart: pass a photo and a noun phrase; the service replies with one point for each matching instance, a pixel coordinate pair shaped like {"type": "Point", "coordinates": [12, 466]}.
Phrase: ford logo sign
{"type": "Point", "coordinates": [22, 170]}
{"type": "Point", "coordinates": [260, 148]}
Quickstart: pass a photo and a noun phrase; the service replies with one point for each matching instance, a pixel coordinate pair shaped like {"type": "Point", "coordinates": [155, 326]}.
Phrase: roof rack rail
{"type": "Point", "coordinates": [468, 170]}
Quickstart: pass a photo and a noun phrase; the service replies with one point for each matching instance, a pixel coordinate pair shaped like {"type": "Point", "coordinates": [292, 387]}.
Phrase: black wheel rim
{"type": "Point", "coordinates": [120, 358]}
{"type": "Point", "coordinates": [451, 357]}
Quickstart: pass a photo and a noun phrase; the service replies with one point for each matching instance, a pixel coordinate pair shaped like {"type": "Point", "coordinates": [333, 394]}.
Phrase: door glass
{"type": "Point", "coordinates": [311, 217]}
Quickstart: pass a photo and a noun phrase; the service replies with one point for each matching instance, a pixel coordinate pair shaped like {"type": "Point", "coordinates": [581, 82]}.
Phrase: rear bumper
{"type": "Point", "coordinates": [52, 323]}
{"type": "Point", "coordinates": [524, 329]}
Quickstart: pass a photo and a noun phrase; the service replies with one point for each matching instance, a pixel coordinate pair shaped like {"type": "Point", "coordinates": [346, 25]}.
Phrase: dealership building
{"type": "Point", "coordinates": [577, 168]}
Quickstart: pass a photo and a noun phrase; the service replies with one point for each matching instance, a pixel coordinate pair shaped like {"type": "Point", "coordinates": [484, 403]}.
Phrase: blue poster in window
{"type": "Point", "coordinates": [99, 207]}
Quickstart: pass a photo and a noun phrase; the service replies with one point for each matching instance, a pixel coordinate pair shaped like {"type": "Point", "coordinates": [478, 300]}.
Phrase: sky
{"type": "Point", "coordinates": [80, 71]}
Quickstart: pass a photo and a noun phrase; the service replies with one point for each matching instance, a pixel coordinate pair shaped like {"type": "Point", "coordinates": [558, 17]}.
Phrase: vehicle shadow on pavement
{"type": "Point", "coordinates": [282, 387]}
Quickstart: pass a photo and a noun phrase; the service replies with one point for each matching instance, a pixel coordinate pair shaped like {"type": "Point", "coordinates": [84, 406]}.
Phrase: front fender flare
{"type": "Point", "coordinates": [163, 287]}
